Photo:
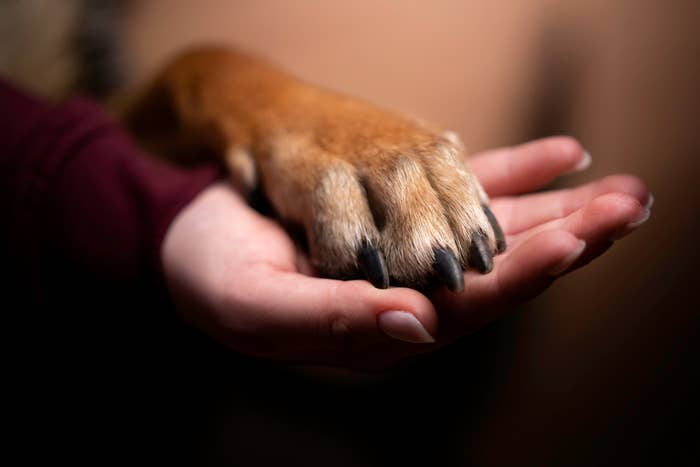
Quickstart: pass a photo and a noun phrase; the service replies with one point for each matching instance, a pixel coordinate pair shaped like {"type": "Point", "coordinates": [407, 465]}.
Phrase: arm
{"type": "Point", "coordinates": [75, 189]}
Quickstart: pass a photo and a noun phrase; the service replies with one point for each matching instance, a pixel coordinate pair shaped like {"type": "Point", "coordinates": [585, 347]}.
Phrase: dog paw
{"type": "Point", "coordinates": [378, 195]}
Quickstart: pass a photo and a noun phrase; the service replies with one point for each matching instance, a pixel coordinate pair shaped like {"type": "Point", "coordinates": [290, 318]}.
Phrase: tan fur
{"type": "Point", "coordinates": [347, 171]}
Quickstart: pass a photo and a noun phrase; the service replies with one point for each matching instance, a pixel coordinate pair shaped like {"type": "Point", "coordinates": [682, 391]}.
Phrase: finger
{"type": "Point", "coordinates": [529, 166]}
{"type": "Point", "coordinates": [524, 272]}
{"type": "Point", "coordinates": [600, 221]}
{"type": "Point", "coordinates": [318, 319]}
{"type": "Point", "coordinates": [526, 212]}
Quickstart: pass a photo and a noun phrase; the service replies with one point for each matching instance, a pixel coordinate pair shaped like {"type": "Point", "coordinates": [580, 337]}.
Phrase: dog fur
{"type": "Point", "coordinates": [375, 192]}
{"type": "Point", "coordinates": [354, 176]}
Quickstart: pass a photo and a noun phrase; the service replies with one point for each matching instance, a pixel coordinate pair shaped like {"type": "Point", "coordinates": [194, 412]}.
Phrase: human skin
{"type": "Point", "coordinates": [238, 276]}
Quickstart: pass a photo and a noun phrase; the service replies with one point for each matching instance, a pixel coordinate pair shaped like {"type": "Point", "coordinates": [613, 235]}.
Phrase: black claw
{"type": "Point", "coordinates": [497, 231]}
{"type": "Point", "coordinates": [373, 266]}
{"type": "Point", "coordinates": [480, 255]}
{"type": "Point", "coordinates": [447, 267]}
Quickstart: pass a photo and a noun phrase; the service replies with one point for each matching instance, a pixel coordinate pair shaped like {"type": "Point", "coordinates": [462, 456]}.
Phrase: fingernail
{"type": "Point", "coordinates": [403, 326]}
{"type": "Point", "coordinates": [650, 201]}
{"type": "Point", "coordinates": [568, 260]}
{"type": "Point", "coordinates": [632, 226]}
{"type": "Point", "coordinates": [584, 163]}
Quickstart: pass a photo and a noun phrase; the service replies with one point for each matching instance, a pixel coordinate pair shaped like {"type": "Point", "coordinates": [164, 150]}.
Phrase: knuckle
{"type": "Point", "coordinates": [334, 326]}
{"type": "Point", "coordinates": [332, 323]}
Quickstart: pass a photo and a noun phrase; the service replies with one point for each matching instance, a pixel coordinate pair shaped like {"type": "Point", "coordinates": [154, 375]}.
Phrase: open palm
{"type": "Point", "coordinates": [239, 276]}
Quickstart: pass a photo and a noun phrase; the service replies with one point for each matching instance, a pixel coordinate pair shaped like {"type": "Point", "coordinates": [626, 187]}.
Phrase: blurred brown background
{"type": "Point", "coordinates": [597, 371]}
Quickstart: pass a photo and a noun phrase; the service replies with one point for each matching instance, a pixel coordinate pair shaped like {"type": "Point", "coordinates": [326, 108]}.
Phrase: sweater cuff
{"type": "Point", "coordinates": [108, 187]}
{"type": "Point", "coordinates": [79, 188]}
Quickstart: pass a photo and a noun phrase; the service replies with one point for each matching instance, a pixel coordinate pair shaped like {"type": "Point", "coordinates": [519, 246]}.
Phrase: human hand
{"type": "Point", "coordinates": [238, 275]}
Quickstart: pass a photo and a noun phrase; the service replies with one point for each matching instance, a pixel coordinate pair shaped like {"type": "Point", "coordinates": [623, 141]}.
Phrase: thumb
{"type": "Point", "coordinates": [307, 316]}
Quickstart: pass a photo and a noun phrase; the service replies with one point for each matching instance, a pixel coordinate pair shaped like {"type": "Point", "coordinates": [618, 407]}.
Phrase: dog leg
{"type": "Point", "coordinates": [375, 191]}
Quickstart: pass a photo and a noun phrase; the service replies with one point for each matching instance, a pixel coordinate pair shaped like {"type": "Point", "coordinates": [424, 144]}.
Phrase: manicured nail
{"type": "Point", "coordinates": [403, 326]}
{"type": "Point", "coordinates": [650, 201]}
{"type": "Point", "coordinates": [632, 226]}
{"type": "Point", "coordinates": [568, 260]}
{"type": "Point", "coordinates": [584, 163]}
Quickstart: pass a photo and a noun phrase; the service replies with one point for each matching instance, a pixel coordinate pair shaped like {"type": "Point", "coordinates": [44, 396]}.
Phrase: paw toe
{"type": "Point", "coordinates": [497, 230]}
{"type": "Point", "coordinates": [480, 254]}
{"type": "Point", "coordinates": [373, 266]}
{"type": "Point", "coordinates": [449, 270]}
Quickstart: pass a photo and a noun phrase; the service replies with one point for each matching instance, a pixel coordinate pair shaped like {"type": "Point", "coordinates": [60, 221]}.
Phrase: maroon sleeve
{"type": "Point", "coordinates": [75, 188]}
